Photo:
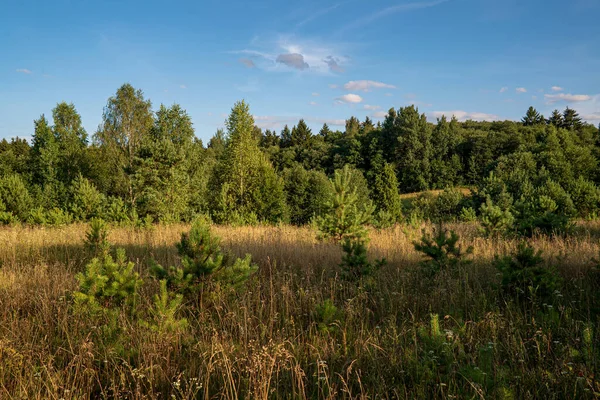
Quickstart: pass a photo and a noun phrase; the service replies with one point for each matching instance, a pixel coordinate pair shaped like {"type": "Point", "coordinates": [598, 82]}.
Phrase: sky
{"type": "Point", "coordinates": [323, 61]}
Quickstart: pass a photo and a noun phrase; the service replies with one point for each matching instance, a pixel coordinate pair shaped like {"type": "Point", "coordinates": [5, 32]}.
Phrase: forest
{"type": "Point", "coordinates": [142, 165]}
{"type": "Point", "coordinates": [401, 259]}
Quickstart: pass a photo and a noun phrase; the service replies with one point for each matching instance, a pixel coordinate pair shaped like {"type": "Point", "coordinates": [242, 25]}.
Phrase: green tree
{"type": "Point", "coordinates": [413, 152]}
{"type": "Point", "coordinates": [126, 121]}
{"type": "Point", "coordinates": [244, 181]}
{"type": "Point", "coordinates": [533, 117]}
{"type": "Point", "coordinates": [385, 193]}
{"type": "Point", "coordinates": [556, 119]}
{"type": "Point", "coordinates": [71, 139]}
{"type": "Point", "coordinates": [301, 134]}
{"type": "Point", "coordinates": [571, 119]}
{"type": "Point", "coordinates": [162, 166]}
{"type": "Point", "coordinates": [15, 196]}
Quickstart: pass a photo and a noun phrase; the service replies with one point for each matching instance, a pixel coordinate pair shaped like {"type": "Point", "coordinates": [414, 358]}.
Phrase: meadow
{"type": "Point", "coordinates": [296, 329]}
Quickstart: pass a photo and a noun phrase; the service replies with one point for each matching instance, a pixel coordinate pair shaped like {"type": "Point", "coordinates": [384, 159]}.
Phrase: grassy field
{"type": "Point", "coordinates": [403, 336]}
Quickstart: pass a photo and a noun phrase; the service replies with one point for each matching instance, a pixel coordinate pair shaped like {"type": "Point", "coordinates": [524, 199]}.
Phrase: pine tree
{"type": "Point", "coordinates": [286, 137]}
{"type": "Point", "coordinates": [532, 118]}
{"type": "Point", "coordinates": [301, 134]}
{"type": "Point", "coordinates": [71, 139]}
{"type": "Point", "coordinates": [385, 193]}
{"type": "Point", "coordinates": [571, 119]}
{"type": "Point", "coordinates": [244, 181]}
{"type": "Point", "coordinates": [413, 153]}
{"type": "Point", "coordinates": [556, 119]}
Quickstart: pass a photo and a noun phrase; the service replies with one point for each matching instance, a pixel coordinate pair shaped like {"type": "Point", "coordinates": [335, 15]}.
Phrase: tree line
{"type": "Point", "coordinates": [146, 165]}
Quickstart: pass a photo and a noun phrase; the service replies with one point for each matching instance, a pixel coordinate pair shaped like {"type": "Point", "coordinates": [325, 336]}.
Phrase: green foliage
{"type": "Point", "coordinates": [107, 284]}
{"type": "Point", "coordinates": [96, 238]}
{"type": "Point", "coordinates": [307, 193]}
{"type": "Point", "coordinates": [524, 276]}
{"type": "Point", "coordinates": [164, 319]}
{"type": "Point", "coordinates": [355, 264]}
{"type": "Point", "coordinates": [15, 196]}
{"type": "Point", "coordinates": [327, 316]}
{"type": "Point", "coordinates": [467, 214]}
{"type": "Point", "coordinates": [202, 259]}
{"type": "Point", "coordinates": [441, 251]}
{"type": "Point", "coordinates": [385, 193]}
{"type": "Point", "coordinates": [87, 201]}
{"type": "Point", "coordinates": [345, 217]}
{"type": "Point", "coordinates": [494, 220]}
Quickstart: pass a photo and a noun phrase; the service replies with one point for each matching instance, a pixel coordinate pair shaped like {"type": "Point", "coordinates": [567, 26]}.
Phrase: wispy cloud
{"type": "Point", "coordinates": [333, 86]}
{"type": "Point", "coordinates": [389, 11]}
{"type": "Point", "coordinates": [315, 94]}
{"type": "Point", "coordinates": [371, 107]}
{"type": "Point", "coordinates": [592, 117]}
{"type": "Point", "coordinates": [247, 62]}
{"type": "Point", "coordinates": [556, 89]}
{"type": "Point", "coordinates": [568, 98]}
{"type": "Point", "coordinates": [313, 103]}
{"type": "Point", "coordinates": [379, 114]}
{"type": "Point", "coordinates": [277, 122]}
{"type": "Point", "coordinates": [366, 86]}
{"type": "Point", "coordinates": [464, 115]}
{"type": "Point", "coordinates": [183, 86]}
{"type": "Point", "coordinates": [521, 90]}
{"type": "Point", "coordinates": [333, 64]}
{"type": "Point", "coordinates": [24, 71]}
{"type": "Point", "coordinates": [317, 14]}
{"type": "Point", "coordinates": [349, 98]}
{"type": "Point", "coordinates": [503, 89]}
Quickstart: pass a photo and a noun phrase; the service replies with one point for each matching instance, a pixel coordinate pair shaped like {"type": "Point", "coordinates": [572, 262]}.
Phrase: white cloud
{"type": "Point", "coordinates": [350, 98]}
{"type": "Point", "coordinates": [379, 114]}
{"type": "Point", "coordinates": [569, 98]}
{"type": "Point", "coordinates": [464, 115]}
{"type": "Point", "coordinates": [366, 86]}
{"type": "Point", "coordinates": [521, 90]}
{"type": "Point", "coordinates": [294, 60]}
{"type": "Point", "coordinates": [183, 86]}
{"type": "Point", "coordinates": [247, 62]}
{"type": "Point", "coordinates": [315, 94]}
{"type": "Point", "coordinates": [313, 103]}
{"type": "Point", "coordinates": [370, 107]}
{"type": "Point", "coordinates": [503, 89]}
{"type": "Point", "coordinates": [333, 64]}
{"type": "Point", "coordinates": [24, 71]}
{"type": "Point", "coordinates": [557, 89]}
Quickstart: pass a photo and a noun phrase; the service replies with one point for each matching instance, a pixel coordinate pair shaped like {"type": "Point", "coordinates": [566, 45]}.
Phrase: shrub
{"type": "Point", "coordinates": [326, 316]}
{"type": "Point", "coordinates": [355, 264]}
{"type": "Point", "coordinates": [37, 216]}
{"type": "Point", "coordinates": [15, 197]}
{"type": "Point", "coordinates": [441, 251]}
{"type": "Point", "coordinates": [201, 259]}
{"type": "Point", "coordinates": [107, 283]}
{"type": "Point", "coordinates": [87, 202]}
{"type": "Point", "coordinates": [447, 205]}
{"type": "Point", "coordinates": [57, 217]}
{"type": "Point", "coordinates": [116, 210]}
{"type": "Point", "coordinates": [494, 220]}
{"type": "Point", "coordinates": [96, 238]}
{"type": "Point", "coordinates": [164, 313]}
{"type": "Point", "coordinates": [524, 276]}
{"type": "Point", "coordinates": [468, 214]}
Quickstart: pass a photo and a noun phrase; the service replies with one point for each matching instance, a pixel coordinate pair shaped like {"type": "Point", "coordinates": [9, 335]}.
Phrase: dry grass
{"type": "Point", "coordinates": [264, 342]}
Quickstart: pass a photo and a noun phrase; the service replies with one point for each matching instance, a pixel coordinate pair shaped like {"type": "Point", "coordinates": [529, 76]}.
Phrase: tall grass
{"type": "Point", "coordinates": [404, 336]}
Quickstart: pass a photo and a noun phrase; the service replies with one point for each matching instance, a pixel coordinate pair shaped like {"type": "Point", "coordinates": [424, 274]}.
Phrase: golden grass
{"type": "Point", "coordinates": [264, 342]}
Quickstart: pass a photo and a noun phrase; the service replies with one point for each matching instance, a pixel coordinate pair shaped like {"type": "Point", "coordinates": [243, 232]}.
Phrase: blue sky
{"type": "Point", "coordinates": [319, 60]}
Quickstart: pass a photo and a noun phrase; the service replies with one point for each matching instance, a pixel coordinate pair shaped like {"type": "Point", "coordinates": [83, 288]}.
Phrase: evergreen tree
{"type": "Point", "coordinates": [571, 119]}
{"type": "Point", "coordinates": [385, 193]}
{"type": "Point", "coordinates": [286, 137]}
{"type": "Point", "coordinates": [244, 181]}
{"type": "Point", "coordinates": [71, 139]}
{"type": "Point", "coordinates": [162, 165]}
{"type": "Point", "coordinates": [301, 134]}
{"type": "Point", "coordinates": [44, 163]}
{"type": "Point", "coordinates": [413, 153]}
{"type": "Point", "coordinates": [532, 118]}
{"type": "Point", "coordinates": [556, 119]}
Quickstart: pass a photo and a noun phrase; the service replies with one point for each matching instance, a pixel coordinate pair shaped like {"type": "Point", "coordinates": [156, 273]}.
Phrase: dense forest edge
{"type": "Point", "coordinates": [141, 166]}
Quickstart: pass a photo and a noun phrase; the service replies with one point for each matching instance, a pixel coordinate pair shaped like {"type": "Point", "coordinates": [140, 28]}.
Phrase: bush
{"type": "Point", "coordinates": [355, 264]}
{"type": "Point", "coordinates": [494, 220]}
{"type": "Point", "coordinates": [202, 259]}
{"type": "Point", "coordinates": [326, 316]}
{"type": "Point", "coordinates": [87, 202]}
{"type": "Point", "coordinates": [441, 251]}
{"type": "Point", "coordinates": [96, 238]}
{"type": "Point", "coordinates": [524, 276]}
{"type": "Point", "coordinates": [116, 210]}
{"type": "Point", "coordinates": [58, 217]}
{"type": "Point", "coordinates": [107, 284]}
{"type": "Point", "coordinates": [15, 197]}
{"type": "Point", "coordinates": [447, 206]}
{"type": "Point", "coordinates": [164, 319]}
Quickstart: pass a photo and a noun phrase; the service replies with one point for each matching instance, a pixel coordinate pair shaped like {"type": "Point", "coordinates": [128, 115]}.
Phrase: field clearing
{"type": "Point", "coordinates": [268, 340]}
